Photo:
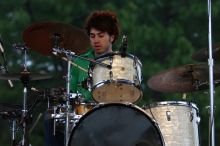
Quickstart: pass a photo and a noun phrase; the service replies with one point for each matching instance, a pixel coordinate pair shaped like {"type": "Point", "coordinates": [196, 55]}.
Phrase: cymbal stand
{"type": "Point", "coordinates": [25, 80]}
{"type": "Point", "coordinates": [13, 130]}
{"type": "Point", "coordinates": [211, 63]}
{"type": "Point", "coordinates": [68, 107]}
{"type": "Point", "coordinates": [71, 56]}
{"type": "Point", "coordinates": [57, 40]}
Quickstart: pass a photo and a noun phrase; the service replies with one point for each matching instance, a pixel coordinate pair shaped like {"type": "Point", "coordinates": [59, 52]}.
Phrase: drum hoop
{"type": "Point", "coordinates": [108, 81]}
{"type": "Point", "coordinates": [173, 103]}
{"type": "Point", "coordinates": [105, 56]}
{"type": "Point", "coordinates": [125, 104]}
{"type": "Point", "coordinates": [85, 103]}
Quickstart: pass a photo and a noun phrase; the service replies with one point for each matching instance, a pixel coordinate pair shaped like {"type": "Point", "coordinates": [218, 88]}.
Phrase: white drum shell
{"type": "Point", "coordinates": [178, 122]}
{"type": "Point", "coordinates": [119, 84]}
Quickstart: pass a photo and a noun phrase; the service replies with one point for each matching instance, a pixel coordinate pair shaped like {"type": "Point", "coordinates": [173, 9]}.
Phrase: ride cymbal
{"type": "Point", "coordinates": [41, 37]}
{"type": "Point", "coordinates": [203, 54]}
{"type": "Point", "coordinates": [186, 78]}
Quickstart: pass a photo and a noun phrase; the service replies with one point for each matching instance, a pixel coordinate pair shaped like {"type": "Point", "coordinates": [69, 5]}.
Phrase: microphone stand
{"type": "Point", "coordinates": [211, 63]}
{"type": "Point", "coordinates": [72, 55]}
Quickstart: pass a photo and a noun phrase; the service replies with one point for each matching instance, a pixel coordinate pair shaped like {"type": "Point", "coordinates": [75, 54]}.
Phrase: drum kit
{"type": "Point", "coordinates": [112, 118]}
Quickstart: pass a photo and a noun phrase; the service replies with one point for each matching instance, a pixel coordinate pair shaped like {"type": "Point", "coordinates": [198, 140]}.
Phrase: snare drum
{"type": "Point", "coordinates": [121, 83]}
{"type": "Point", "coordinates": [81, 106]}
{"type": "Point", "coordinates": [178, 122]}
{"type": "Point", "coordinates": [116, 124]}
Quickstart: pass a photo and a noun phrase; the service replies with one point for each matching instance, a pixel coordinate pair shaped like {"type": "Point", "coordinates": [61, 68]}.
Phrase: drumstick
{"type": "Point", "coordinates": [76, 65]}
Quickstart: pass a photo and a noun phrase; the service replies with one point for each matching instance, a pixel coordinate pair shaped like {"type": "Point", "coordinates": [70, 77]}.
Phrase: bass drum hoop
{"type": "Point", "coordinates": [172, 103]}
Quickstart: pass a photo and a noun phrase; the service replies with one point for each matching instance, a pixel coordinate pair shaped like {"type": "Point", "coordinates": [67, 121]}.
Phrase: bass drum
{"type": "Point", "coordinates": [116, 124]}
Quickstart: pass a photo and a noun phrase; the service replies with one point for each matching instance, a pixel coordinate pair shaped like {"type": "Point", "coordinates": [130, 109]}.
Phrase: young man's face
{"type": "Point", "coordinates": [100, 41]}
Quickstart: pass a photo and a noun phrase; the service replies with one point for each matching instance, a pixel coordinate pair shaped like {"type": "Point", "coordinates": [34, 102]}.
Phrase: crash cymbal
{"type": "Point", "coordinates": [22, 75]}
{"type": "Point", "coordinates": [203, 54]}
{"type": "Point", "coordinates": [186, 78]}
{"type": "Point", "coordinates": [40, 37]}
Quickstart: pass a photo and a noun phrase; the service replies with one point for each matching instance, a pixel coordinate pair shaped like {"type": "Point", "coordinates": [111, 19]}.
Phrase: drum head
{"type": "Point", "coordinates": [116, 125]}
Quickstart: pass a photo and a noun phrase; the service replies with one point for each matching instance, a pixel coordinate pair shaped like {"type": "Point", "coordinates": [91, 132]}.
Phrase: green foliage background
{"type": "Point", "coordinates": [163, 34]}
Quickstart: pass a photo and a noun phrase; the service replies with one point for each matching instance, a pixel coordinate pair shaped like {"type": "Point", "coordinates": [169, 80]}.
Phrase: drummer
{"type": "Point", "coordinates": [102, 28]}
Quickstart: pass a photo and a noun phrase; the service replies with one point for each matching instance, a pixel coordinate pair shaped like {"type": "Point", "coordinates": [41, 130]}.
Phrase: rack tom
{"type": "Point", "coordinates": [121, 83]}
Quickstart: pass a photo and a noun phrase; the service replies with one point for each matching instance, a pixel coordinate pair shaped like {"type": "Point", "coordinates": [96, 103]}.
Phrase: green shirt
{"type": "Point", "coordinates": [77, 75]}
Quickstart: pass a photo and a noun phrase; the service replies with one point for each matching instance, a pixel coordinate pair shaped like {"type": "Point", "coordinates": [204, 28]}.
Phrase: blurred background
{"type": "Point", "coordinates": [162, 34]}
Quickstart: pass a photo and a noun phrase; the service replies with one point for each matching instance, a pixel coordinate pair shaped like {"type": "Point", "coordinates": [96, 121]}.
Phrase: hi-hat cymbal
{"type": "Point", "coordinates": [186, 78]}
{"type": "Point", "coordinates": [203, 54]}
{"type": "Point", "coordinates": [22, 75]}
{"type": "Point", "coordinates": [40, 37]}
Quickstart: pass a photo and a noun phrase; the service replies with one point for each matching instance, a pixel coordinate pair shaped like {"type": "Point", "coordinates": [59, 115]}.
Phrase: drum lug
{"type": "Point", "coordinates": [89, 83]}
{"type": "Point", "coordinates": [90, 80]}
{"type": "Point", "coordinates": [198, 120]}
{"type": "Point", "coordinates": [110, 72]}
{"type": "Point", "coordinates": [110, 75]}
{"type": "Point", "coordinates": [111, 60]}
{"type": "Point", "coordinates": [168, 114]}
{"type": "Point", "coordinates": [136, 81]}
{"type": "Point", "coordinates": [191, 116]}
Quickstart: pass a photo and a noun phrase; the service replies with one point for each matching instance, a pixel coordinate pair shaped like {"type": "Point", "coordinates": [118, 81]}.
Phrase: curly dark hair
{"type": "Point", "coordinates": [105, 21]}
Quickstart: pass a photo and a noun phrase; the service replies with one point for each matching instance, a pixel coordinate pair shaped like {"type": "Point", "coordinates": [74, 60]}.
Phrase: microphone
{"type": "Point", "coordinates": [124, 46]}
{"type": "Point", "coordinates": [5, 62]}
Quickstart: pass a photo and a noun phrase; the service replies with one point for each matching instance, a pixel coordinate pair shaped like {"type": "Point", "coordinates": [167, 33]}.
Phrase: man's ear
{"type": "Point", "coordinates": [112, 38]}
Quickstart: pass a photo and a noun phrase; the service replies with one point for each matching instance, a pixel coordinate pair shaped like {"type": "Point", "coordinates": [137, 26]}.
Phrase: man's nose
{"type": "Point", "coordinates": [96, 40]}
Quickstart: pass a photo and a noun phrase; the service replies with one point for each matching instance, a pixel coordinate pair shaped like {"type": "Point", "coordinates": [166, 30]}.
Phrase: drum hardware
{"type": "Point", "coordinates": [110, 76]}
{"type": "Point", "coordinates": [182, 79]}
{"type": "Point", "coordinates": [70, 56]}
{"type": "Point", "coordinates": [13, 114]}
{"type": "Point", "coordinates": [124, 46]}
{"type": "Point", "coordinates": [49, 38]}
{"type": "Point", "coordinates": [168, 115]}
{"type": "Point", "coordinates": [137, 79]}
{"type": "Point", "coordinates": [191, 116]}
{"type": "Point", "coordinates": [25, 77]}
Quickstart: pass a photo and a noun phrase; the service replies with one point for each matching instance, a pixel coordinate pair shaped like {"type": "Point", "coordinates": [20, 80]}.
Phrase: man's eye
{"type": "Point", "coordinates": [92, 36]}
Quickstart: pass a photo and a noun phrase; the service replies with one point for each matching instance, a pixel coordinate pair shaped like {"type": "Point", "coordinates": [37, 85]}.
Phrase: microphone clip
{"type": "Point", "coordinates": [124, 46]}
